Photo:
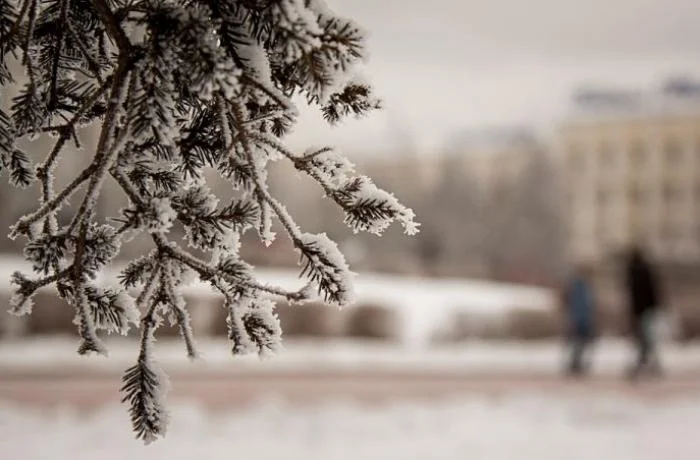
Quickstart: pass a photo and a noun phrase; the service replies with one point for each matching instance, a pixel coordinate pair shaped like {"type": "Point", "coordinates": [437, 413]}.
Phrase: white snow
{"type": "Point", "coordinates": [161, 215]}
{"type": "Point", "coordinates": [529, 427]}
{"type": "Point", "coordinates": [423, 305]}
{"type": "Point", "coordinates": [127, 304]}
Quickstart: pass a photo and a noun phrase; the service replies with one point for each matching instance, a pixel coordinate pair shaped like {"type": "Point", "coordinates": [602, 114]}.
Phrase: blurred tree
{"type": "Point", "coordinates": [449, 241]}
{"type": "Point", "coordinates": [524, 235]}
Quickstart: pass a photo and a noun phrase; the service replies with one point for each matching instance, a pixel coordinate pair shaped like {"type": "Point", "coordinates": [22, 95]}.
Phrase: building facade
{"type": "Point", "coordinates": [631, 167]}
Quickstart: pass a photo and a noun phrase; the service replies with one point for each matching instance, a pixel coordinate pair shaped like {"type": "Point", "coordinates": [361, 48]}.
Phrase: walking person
{"type": "Point", "coordinates": [644, 302]}
{"type": "Point", "coordinates": [578, 303]}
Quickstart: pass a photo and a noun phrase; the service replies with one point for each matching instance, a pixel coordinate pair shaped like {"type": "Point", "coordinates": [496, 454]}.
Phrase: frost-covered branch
{"type": "Point", "coordinates": [114, 29]}
{"type": "Point", "coordinates": [23, 224]}
{"type": "Point", "coordinates": [367, 207]}
{"type": "Point", "coordinates": [46, 169]}
{"type": "Point", "coordinates": [177, 89]}
{"type": "Point", "coordinates": [260, 187]}
{"type": "Point", "coordinates": [177, 304]}
{"type": "Point", "coordinates": [145, 385]}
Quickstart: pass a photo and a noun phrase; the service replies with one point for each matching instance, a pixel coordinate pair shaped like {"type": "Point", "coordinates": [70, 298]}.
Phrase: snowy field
{"type": "Point", "coordinates": [535, 427]}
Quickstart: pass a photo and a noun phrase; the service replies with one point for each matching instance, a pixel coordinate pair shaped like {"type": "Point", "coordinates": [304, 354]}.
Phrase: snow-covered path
{"type": "Point", "coordinates": [479, 401]}
{"type": "Point", "coordinates": [228, 391]}
{"type": "Point", "coordinates": [610, 357]}
{"type": "Point", "coordinates": [525, 427]}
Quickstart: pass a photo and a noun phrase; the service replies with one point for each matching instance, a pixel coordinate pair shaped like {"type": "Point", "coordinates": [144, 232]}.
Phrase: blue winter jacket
{"type": "Point", "coordinates": [580, 307]}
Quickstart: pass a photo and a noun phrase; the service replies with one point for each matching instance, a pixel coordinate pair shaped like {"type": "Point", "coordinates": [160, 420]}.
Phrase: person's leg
{"type": "Point", "coordinates": [587, 344]}
{"type": "Point", "coordinates": [575, 362]}
{"type": "Point", "coordinates": [653, 361]}
{"type": "Point", "coordinates": [641, 345]}
{"type": "Point", "coordinates": [648, 342]}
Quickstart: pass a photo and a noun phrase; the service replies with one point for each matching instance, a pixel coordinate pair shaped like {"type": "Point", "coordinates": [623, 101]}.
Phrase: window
{"type": "Point", "coordinates": [638, 155]}
{"type": "Point", "coordinates": [673, 151]}
{"type": "Point", "coordinates": [669, 232]}
{"type": "Point", "coordinates": [671, 193]}
{"type": "Point", "coordinates": [638, 227]}
{"type": "Point", "coordinates": [637, 195]}
{"type": "Point", "coordinates": [606, 156]}
{"type": "Point", "coordinates": [601, 234]}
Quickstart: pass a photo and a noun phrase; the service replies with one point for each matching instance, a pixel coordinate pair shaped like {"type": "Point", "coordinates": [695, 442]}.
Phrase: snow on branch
{"type": "Point", "coordinates": [253, 327]}
{"type": "Point", "coordinates": [177, 90]}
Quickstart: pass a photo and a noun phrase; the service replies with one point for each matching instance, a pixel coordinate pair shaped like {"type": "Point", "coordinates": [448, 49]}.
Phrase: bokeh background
{"type": "Point", "coordinates": [527, 137]}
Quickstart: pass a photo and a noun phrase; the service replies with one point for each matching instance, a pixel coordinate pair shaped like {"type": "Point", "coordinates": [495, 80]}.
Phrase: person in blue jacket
{"type": "Point", "coordinates": [579, 310]}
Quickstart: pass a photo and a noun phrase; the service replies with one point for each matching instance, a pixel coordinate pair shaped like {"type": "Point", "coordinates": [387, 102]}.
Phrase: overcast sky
{"type": "Point", "coordinates": [444, 65]}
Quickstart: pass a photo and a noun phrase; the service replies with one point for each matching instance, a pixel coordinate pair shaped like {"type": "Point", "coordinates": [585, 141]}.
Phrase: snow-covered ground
{"type": "Point", "coordinates": [528, 427]}
{"type": "Point", "coordinates": [609, 357]}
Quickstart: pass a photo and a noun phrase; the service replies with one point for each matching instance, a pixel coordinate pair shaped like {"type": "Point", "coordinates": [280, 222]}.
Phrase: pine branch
{"type": "Point", "coordinates": [86, 322]}
{"type": "Point", "coordinates": [25, 288]}
{"type": "Point", "coordinates": [201, 267]}
{"type": "Point", "coordinates": [145, 385]}
{"type": "Point", "coordinates": [177, 304]}
{"type": "Point", "coordinates": [92, 64]}
{"type": "Point", "coordinates": [355, 99]}
{"type": "Point", "coordinates": [113, 27]}
{"type": "Point", "coordinates": [45, 170]}
{"type": "Point", "coordinates": [33, 12]}
{"type": "Point", "coordinates": [8, 40]}
{"type": "Point", "coordinates": [273, 93]}
{"type": "Point", "coordinates": [22, 226]}
{"type": "Point", "coordinates": [144, 388]}
{"type": "Point", "coordinates": [261, 189]}
{"type": "Point", "coordinates": [207, 272]}
{"type": "Point", "coordinates": [53, 97]}
{"type": "Point", "coordinates": [191, 86]}
{"type": "Point", "coordinates": [252, 326]}
{"type": "Point", "coordinates": [105, 155]}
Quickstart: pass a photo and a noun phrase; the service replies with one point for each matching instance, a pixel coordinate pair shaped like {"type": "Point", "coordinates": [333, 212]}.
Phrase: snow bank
{"type": "Point", "coordinates": [423, 305]}
{"type": "Point", "coordinates": [533, 427]}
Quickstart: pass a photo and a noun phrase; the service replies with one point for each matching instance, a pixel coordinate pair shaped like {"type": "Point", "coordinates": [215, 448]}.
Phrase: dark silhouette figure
{"type": "Point", "coordinates": [578, 303]}
{"type": "Point", "coordinates": [644, 300]}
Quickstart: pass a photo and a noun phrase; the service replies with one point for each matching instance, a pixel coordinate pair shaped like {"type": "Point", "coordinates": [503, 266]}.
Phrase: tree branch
{"type": "Point", "coordinates": [207, 271]}
{"type": "Point", "coordinates": [22, 226]}
{"type": "Point", "coordinates": [68, 128]}
{"type": "Point", "coordinates": [113, 27]}
{"type": "Point", "coordinates": [53, 98]}
{"type": "Point", "coordinates": [33, 11]}
{"type": "Point", "coordinates": [94, 66]}
{"type": "Point", "coordinates": [273, 93]}
{"type": "Point", "coordinates": [16, 26]}
{"type": "Point", "coordinates": [284, 217]}
{"type": "Point", "coordinates": [44, 170]}
{"type": "Point", "coordinates": [204, 269]}
{"type": "Point", "coordinates": [105, 154]}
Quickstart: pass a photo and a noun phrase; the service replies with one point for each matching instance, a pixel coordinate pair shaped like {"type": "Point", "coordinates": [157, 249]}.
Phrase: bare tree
{"type": "Point", "coordinates": [524, 236]}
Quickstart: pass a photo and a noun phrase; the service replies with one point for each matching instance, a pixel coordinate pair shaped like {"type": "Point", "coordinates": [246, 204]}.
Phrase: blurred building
{"type": "Point", "coordinates": [631, 166]}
